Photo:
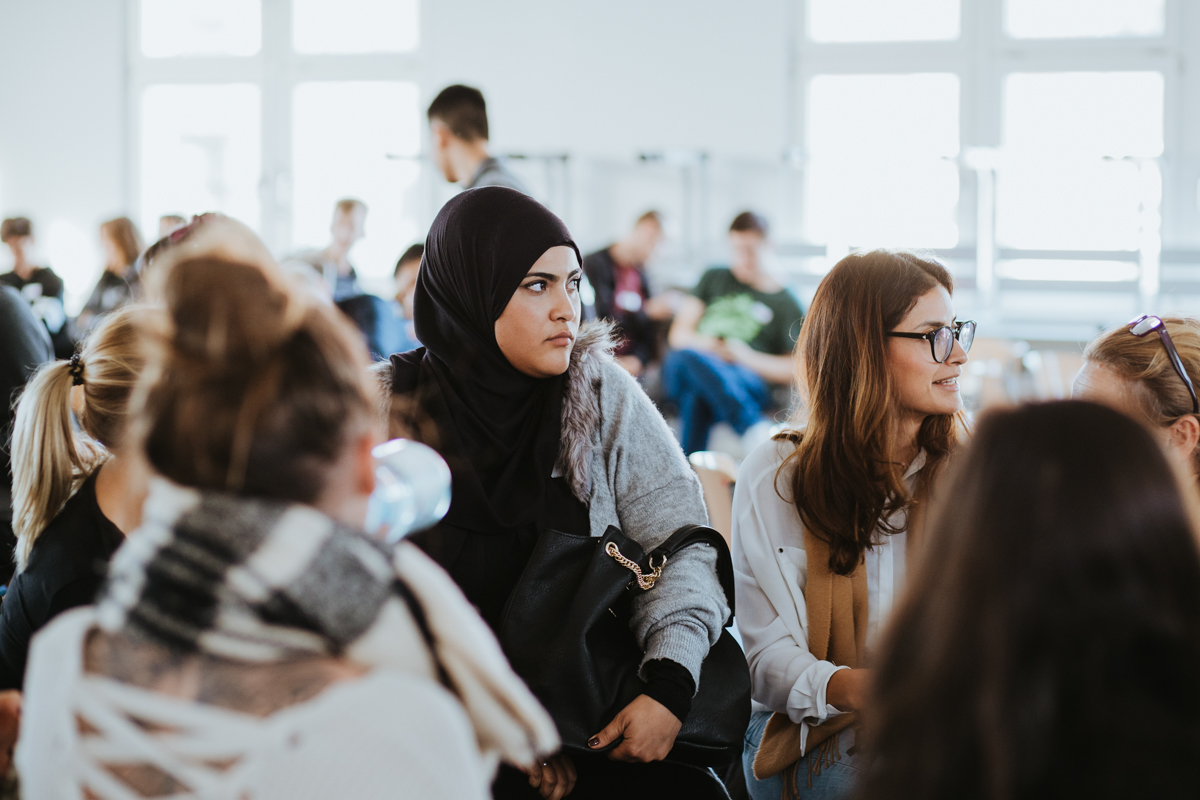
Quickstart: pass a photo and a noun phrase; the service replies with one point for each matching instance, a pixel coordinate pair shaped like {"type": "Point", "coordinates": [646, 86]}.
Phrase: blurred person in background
{"type": "Point", "coordinates": [76, 491]}
{"type": "Point", "coordinates": [731, 340]}
{"type": "Point", "coordinates": [40, 286]}
{"type": "Point", "coordinates": [1148, 369]}
{"type": "Point", "coordinates": [119, 282]}
{"type": "Point", "coordinates": [405, 277]}
{"type": "Point", "coordinates": [169, 223]}
{"type": "Point", "coordinates": [826, 515]}
{"type": "Point", "coordinates": [250, 610]}
{"type": "Point", "coordinates": [1057, 587]}
{"type": "Point", "coordinates": [622, 292]}
{"type": "Point", "coordinates": [26, 347]}
{"type": "Point", "coordinates": [458, 129]}
{"type": "Point", "coordinates": [346, 229]}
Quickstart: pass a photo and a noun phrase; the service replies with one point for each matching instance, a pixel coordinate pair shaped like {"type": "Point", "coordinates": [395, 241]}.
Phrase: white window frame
{"type": "Point", "coordinates": [982, 57]}
{"type": "Point", "coordinates": [276, 69]}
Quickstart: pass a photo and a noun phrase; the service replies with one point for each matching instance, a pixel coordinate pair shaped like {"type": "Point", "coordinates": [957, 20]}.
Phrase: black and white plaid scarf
{"type": "Point", "coordinates": [261, 581]}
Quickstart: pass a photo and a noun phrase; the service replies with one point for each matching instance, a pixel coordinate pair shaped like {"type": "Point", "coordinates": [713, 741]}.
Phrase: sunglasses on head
{"type": "Point", "coordinates": [941, 341]}
{"type": "Point", "coordinates": [1147, 323]}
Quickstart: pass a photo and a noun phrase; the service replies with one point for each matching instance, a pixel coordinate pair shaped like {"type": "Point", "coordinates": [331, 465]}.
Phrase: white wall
{"type": "Point", "coordinates": [62, 122]}
{"type": "Point", "coordinates": [608, 81]}
{"type": "Point", "coordinates": [617, 77]}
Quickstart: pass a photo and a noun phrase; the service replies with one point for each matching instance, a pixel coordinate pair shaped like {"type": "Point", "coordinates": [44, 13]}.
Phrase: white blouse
{"type": "Point", "coordinates": [771, 571]}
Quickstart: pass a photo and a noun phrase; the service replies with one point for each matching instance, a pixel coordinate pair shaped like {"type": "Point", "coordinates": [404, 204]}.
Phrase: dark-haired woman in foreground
{"type": "Point", "coordinates": [543, 430]}
{"type": "Point", "coordinates": [822, 516]}
{"type": "Point", "coordinates": [1053, 627]}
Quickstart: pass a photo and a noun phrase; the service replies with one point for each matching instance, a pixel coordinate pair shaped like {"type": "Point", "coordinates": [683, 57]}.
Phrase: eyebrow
{"type": "Point", "coordinates": [550, 277]}
{"type": "Point", "coordinates": [937, 324]}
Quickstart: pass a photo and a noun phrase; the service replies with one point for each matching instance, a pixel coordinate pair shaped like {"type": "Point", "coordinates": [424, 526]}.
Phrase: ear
{"type": "Point", "coordinates": [439, 132]}
{"type": "Point", "coordinates": [364, 462]}
{"type": "Point", "coordinates": [1185, 435]}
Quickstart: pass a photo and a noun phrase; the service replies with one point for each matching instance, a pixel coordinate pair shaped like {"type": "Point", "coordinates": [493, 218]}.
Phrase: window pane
{"type": "Point", "coordinates": [1111, 114]}
{"type": "Point", "coordinates": [201, 28]}
{"type": "Point", "coordinates": [879, 173]}
{"type": "Point", "coordinates": [354, 26]}
{"type": "Point", "coordinates": [1075, 173]}
{"type": "Point", "coordinates": [882, 20]}
{"type": "Point", "coordinates": [1052, 19]}
{"type": "Point", "coordinates": [343, 135]}
{"type": "Point", "coordinates": [200, 152]}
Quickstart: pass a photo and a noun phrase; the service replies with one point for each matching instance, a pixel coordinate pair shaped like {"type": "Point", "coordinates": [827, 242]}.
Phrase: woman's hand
{"type": "Point", "coordinates": [847, 689]}
{"type": "Point", "coordinates": [554, 778]}
{"type": "Point", "coordinates": [648, 728]}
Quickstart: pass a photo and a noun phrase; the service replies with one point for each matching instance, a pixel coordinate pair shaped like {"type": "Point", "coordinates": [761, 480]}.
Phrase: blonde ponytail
{"type": "Point", "coordinates": [50, 457]}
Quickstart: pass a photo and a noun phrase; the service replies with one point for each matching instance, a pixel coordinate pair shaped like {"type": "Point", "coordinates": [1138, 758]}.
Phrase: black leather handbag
{"type": "Point", "coordinates": [566, 632]}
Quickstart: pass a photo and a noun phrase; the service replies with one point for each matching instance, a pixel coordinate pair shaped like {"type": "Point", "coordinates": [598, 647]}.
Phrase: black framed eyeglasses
{"type": "Point", "coordinates": [941, 341]}
{"type": "Point", "coordinates": [1147, 323]}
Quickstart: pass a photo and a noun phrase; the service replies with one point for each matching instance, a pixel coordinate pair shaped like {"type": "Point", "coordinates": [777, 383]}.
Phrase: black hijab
{"type": "Point", "coordinates": [498, 428]}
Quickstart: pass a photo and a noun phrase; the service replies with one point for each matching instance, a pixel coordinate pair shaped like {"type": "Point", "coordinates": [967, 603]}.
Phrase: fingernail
{"type": "Point", "coordinates": [595, 742]}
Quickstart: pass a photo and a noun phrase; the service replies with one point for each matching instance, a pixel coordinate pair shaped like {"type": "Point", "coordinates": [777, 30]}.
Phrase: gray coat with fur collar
{"type": "Point", "coordinates": [621, 459]}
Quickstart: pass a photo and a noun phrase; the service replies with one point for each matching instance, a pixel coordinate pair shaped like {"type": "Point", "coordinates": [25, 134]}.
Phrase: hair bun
{"type": "Point", "coordinates": [229, 313]}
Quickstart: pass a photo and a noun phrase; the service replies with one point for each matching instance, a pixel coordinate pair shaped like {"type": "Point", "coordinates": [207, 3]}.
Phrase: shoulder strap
{"type": "Point", "coordinates": [690, 535]}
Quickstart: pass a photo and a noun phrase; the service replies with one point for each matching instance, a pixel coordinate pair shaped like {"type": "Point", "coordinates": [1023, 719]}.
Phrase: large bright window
{"type": "Point", "coordinates": [882, 20]}
{"type": "Point", "coordinates": [881, 169]}
{"type": "Point", "coordinates": [201, 150]}
{"type": "Point", "coordinates": [201, 28]}
{"type": "Point", "coordinates": [1078, 170]}
{"type": "Point", "coordinates": [272, 110]}
{"type": "Point", "coordinates": [1053, 19]}
{"type": "Point", "coordinates": [346, 139]}
{"type": "Point", "coordinates": [354, 26]}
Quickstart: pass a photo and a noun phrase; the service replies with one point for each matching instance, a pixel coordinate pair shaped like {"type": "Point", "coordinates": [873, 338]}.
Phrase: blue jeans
{"type": "Point", "coordinates": [835, 780]}
{"type": "Point", "coordinates": [709, 390]}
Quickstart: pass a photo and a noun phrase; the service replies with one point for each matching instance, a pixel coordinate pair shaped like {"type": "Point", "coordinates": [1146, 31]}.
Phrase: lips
{"type": "Point", "coordinates": [564, 338]}
{"type": "Point", "coordinates": [947, 382]}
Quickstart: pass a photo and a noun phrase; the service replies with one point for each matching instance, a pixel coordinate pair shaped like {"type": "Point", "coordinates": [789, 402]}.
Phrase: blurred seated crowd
{"type": "Point", "coordinates": [206, 596]}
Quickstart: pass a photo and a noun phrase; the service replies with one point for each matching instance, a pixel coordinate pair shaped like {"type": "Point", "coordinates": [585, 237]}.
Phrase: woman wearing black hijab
{"type": "Point", "coordinates": [543, 430]}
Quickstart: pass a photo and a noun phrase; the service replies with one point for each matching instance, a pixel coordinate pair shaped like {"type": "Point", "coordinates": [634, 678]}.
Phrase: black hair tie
{"type": "Point", "coordinates": [76, 371]}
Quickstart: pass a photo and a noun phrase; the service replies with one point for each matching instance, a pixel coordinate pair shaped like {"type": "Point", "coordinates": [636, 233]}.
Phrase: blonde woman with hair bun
{"type": "Point", "coordinates": [76, 494]}
{"type": "Point", "coordinates": [1147, 369]}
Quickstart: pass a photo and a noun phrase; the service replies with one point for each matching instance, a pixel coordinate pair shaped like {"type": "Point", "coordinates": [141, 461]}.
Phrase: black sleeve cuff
{"type": "Point", "coordinates": [670, 684]}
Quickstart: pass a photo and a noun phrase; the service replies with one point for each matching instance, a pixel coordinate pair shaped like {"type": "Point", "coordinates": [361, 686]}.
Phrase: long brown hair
{"type": "Point", "coordinates": [50, 457]}
{"type": "Point", "coordinates": [258, 390]}
{"type": "Point", "coordinates": [1062, 603]}
{"type": "Point", "coordinates": [1142, 361]}
{"type": "Point", "coordinates": [125, 237]}
{"type": "Point", "coordinates": [846, 483]}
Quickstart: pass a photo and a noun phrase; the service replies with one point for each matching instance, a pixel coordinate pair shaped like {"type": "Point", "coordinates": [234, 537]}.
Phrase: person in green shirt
{"type": "Point", "coordinates": [731, 340]}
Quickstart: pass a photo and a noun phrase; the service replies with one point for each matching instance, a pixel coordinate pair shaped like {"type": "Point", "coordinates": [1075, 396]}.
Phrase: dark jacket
{"type": "Point", "coordinates": [639, 335]}
{"type": "Point", "coordinates": [26, 345]}
{"type": "Point", "coordinates": [65, 570]}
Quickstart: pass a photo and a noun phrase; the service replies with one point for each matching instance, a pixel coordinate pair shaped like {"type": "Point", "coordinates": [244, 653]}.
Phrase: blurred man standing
{"type": "Point", "coordinates": [458, 128]}
{"type": "Point", "coordinates": [618, 276]}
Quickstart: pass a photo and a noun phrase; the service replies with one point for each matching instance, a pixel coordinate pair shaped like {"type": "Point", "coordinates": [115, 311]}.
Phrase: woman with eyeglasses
{"type": "Point", "coordinates": [1144, 369]}
{"type": "Point", "coordinates": [823, 514]}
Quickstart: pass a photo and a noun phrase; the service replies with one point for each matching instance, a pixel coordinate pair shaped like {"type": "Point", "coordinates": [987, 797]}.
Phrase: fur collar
{"type": "Point", "coordinates": [581, 405]}
{"type": "Point", "coordinates": [594, 347]}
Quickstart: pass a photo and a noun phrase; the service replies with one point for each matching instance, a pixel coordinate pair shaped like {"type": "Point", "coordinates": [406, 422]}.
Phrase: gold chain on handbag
{"type": "Point", "coordinates": [645, 582]}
